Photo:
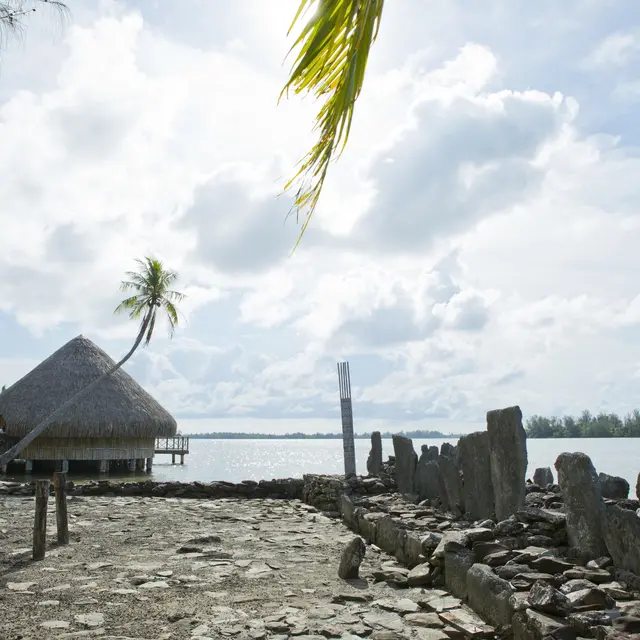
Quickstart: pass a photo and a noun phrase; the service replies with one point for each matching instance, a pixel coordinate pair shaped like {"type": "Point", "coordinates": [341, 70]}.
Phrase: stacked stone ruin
{"type": "Point", "coordinates": [534, 560]}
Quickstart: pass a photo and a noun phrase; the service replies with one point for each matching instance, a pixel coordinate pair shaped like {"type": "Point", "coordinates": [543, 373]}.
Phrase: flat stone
{"type": "Point", "coordinates": [94, 566]}
{"type": "Point", "coordinates": [20, 586]}
{"type": "Point", "coordinates": [468, 622]}
{"type": "Point", "coordinates": [55, 624]}
{"type": "Point", "coordinates": [420, 575]}
{"type": "Point", "coordinates": [156, 584]}
{"type": "Point", "coordinates": [404, 605]}
{"type": "Point", "coordinates": [388, 621]}
{"type": "Point", "coordinates": [431, 620]}
{"type": "Point", "coordinates": [595, 598]}
{"type": "Point", "coordinates": [546, 625]}
{"type": "Point", "coordinates": [83, 602]}
{"type": "Point", "coordinates": [439, 603]}
{"type": "Point", "coordinates": [547, 564]}
{"type": "Point", "coordinates": [49, 603]}
{"type": "Point", "coordinates": [479, 534]}
{"type": "Point", "coordinates": [430, 634]}
{"type": "Point", "coordinates": [90, 620]}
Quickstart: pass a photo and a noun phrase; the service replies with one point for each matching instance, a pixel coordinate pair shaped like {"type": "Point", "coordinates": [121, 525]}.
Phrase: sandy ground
{"type": "Point", "coordinates": [167, 569]}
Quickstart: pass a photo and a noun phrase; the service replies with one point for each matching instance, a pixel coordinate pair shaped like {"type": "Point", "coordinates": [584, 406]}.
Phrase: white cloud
{"type": "Point", "coordinates": [476, 245]}
{"type": "Point", "coordinates": [616, 49]}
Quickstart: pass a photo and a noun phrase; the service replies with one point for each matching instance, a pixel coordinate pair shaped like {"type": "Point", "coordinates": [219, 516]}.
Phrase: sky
{"type": "Point", "coordinates": [476, 246]}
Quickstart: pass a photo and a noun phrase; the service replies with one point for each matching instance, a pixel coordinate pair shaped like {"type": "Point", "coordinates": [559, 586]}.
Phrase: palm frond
{"type": "Point", "coordinates": [331, 63]}
{"type": "Point", "coordinates": [14, 15]}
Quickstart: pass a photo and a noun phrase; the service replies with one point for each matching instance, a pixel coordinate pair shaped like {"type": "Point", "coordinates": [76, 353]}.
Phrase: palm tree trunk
{"type": "Point", "coordinates": [9, 455]}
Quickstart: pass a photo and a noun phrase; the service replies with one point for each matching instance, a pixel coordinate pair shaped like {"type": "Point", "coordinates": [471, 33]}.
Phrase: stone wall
{"type": "Point", "coordinates": [322, 492]}
{"type": "Point", "coordinates": [514, 573]}
{"type": "Point", "coordinates": [286, 489]}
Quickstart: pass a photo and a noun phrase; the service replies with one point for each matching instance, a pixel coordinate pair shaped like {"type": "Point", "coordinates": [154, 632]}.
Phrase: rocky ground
{"type": "Point", "coordinates": [167, 569]}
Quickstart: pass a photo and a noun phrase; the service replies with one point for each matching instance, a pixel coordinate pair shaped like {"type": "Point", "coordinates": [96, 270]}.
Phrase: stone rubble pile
{"type": "Point", "coordinates": [535, 560]}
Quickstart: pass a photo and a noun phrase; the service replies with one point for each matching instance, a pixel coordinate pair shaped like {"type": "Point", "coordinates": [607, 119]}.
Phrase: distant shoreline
{"type": "Point", "coordinates": [418, 435]}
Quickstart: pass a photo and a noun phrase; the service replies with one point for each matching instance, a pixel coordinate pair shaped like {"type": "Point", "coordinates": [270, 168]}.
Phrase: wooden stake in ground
{"type": "Point", "coordinates": [62, 518]}
{"type": "Point", "coordinates": [40, 523]}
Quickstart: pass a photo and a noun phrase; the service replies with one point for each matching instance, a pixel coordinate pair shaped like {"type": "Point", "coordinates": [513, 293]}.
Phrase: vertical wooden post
{"type": "Point", "coordinates": [40, 523]}
{"type": "Point", "coordinates": [348, 444]}
{"type": "Point", "coordinates": [62, 517]}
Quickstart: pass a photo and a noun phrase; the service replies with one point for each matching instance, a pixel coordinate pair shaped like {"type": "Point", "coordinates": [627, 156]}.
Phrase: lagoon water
{"type": "Point", "coordinates": [236, 460]}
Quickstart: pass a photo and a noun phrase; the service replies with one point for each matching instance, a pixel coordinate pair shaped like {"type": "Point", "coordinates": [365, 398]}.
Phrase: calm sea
{"type": "Point", "coordinates": [236, 460]}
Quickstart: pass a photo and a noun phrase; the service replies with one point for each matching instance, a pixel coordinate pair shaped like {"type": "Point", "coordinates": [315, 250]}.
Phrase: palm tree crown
{"type": "Point", "coordinates": [152, 287]}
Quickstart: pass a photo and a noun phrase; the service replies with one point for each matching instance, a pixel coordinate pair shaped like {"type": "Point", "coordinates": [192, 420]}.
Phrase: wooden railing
{"type": "Point", "coordinates": [176, 445]}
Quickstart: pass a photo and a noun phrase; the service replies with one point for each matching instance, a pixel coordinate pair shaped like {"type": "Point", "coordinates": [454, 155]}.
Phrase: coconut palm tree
{"type": "Point", "coordinates": [151, 289]}
{"type": "Point", "coordinates": [334, 47]}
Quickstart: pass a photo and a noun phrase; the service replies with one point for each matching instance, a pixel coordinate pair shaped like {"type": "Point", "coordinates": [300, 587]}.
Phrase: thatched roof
{"type": "Point", "coordinates": [118, 406]}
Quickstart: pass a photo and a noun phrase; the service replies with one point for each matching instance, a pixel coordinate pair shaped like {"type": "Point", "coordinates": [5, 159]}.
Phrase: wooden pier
{"type": "Point", "coordinates": [176, 446]}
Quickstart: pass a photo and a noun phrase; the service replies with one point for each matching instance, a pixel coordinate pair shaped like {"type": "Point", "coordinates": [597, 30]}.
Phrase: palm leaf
{"type": "Point", "coordinates": [13, 14]}
{"type": "Point", "coordinates": [331, 63]}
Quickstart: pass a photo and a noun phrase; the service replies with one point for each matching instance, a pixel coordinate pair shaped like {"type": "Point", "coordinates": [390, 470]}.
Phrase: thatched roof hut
{"type": "Point", "coordinates": [117, 408]}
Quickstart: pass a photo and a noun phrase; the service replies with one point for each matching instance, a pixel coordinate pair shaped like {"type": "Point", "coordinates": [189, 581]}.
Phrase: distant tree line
{"type": "Point", "coordinates": [226, 435]}
{"type": "Point", "coordinates": [602, 425]}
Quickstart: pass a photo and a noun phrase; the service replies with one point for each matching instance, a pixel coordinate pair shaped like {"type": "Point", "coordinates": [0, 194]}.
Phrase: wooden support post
{"type": "Point", "coordinates": [40, 523]}
{"type": "Point", "coordinates": [173, 458]}
{"type": "Point", "coordinates": [182, 458]}
{"type": "Point", "coordinates": [62, 517]}
{"type": "Point", "coordinates": [149, 465]}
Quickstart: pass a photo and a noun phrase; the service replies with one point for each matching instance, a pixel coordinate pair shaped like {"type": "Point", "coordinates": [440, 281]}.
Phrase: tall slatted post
{"type": "Point", "coordinates": [348, 444]}
{"type": "Point", "coordinates": [62, 517]}
{"type": "Point", "coordinates": [40, 522]}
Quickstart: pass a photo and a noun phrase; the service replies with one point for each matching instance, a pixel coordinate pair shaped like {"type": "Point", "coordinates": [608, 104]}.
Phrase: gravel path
{"type": "Point", "coordinates": [167, 569]}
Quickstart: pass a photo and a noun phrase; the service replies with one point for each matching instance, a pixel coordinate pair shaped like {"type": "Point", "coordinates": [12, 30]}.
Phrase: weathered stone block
{"type": "Point", "coordinates": [457, 563]}
{"type": "Point", "coordinates": [405, 464]}
{"type": "Point", "coordinates": [374, 461]}
{"type": "Point", "coordinates": [583, 503]}
{"type": "Point", "coordinates": [508, 456]}
{"type": "Point", "coordinates": [621, 529]}
{"type": "Point", "coordinates": [413, 549]}
{"type": "Point", "coordinates": [351, 559]}
{"type": "Point", "coordinates": [543, 476]}
{"type": "Point", "coordinates": [489, 595]}
{"type": "Point", "coordinates": [450, 486]}
{"type": "Point", "coordinates": [347, 509]}
{"type": "Point", "coordinates": [613, 486]}
{"type": "Point", "coordinates": [477, 488]}
{"type": "Point", "coordinates": [387, 534]}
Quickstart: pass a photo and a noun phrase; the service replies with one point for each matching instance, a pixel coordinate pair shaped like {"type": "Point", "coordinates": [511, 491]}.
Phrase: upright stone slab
{"type": "Point", "coordinates": [374, 461]}
{"type": "Point", "coordinates": [582, 502]}
{"type": "Point", "coordinates": [430, 454]}
{"type": "Point", "coordinates": [638, 487]}
{"type": "Point", "coordinates": [449, 450]}
{"type": "Point", "coordinates": [613, 486]}
{"type": "Point", "coordinates": [621, 530]}
{"type": "Point", "coordinates": [406, 463]}
{"type": "Point", "coordinates": [450, 486]}
{"type": "Point", "coordinates": [428, 479]}
{"type": "Point", "coordinates": [477, 489]}
{"type": "Point", "coordinates": [508, 457]}
{"type": "Point", "coordinates": [543, 476]}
